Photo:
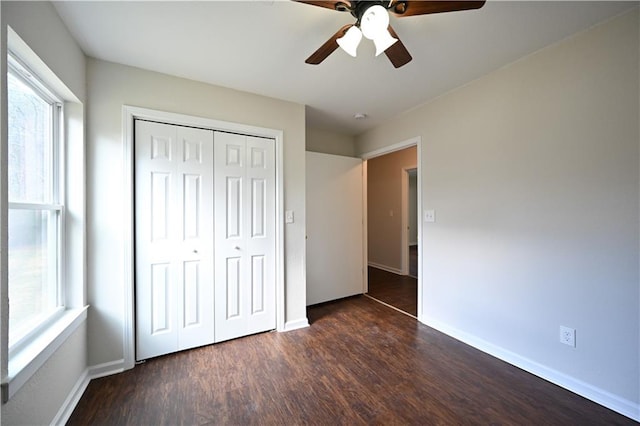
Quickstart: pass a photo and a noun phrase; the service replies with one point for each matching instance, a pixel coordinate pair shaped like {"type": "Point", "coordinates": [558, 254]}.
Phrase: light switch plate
{"type": "Point", "coordinates": [430, 216]}
{"type": "Point", "coordinates": [288, 216]}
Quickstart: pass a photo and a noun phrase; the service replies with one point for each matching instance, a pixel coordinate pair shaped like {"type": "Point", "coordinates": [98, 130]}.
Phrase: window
{"type": "Point", "coordinates": [35, 207]}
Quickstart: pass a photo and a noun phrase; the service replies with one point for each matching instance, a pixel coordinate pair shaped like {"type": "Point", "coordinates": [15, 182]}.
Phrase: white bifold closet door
{"type": "Point", "coordinates": [174, 238]}
{"type": "Point", "coordinates": [245, 235]}
{"type": "Point", "coordinates": [205, 237]}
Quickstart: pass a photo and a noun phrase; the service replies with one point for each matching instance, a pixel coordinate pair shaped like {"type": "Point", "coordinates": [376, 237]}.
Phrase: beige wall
{"type": "Point", "coordinates": [384, 207]}
{"type": "Point", "coordinates": [327, 142]}
{"type": "Point", "coordinates": [533, 171]}
{"type": "Point", "coordinates": [111, 86]}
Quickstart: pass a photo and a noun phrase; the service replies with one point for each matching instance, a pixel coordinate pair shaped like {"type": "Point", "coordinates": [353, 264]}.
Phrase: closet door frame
{"type": "Point", "coordinates": [131, 113]}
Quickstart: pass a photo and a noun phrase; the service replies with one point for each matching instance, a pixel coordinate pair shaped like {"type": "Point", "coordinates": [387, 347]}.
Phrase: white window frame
{"type": "Point", "coordinates": [54, 205]}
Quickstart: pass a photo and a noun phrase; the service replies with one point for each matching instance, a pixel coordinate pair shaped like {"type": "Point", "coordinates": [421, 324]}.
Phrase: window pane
{"type": "Point", "coordinates": [32, 269]}
{"type": "Point", "coordinates": [29, 123]}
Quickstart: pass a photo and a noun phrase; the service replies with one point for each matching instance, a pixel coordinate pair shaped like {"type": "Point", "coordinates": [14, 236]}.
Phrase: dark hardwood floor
{"type": "Point", "coordinates": [359, 363]}
{"type": "Point", "coordinates": [399, 291]}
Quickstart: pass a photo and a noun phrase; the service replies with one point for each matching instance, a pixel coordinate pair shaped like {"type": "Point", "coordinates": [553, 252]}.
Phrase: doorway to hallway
{"type": "Point", "coordinates": [392, 235]}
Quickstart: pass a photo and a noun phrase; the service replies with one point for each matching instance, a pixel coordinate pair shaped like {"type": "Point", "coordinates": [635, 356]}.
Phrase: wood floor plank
{"type": "Point", "coordinates": [359, 363]}
{"type": "Point", "coordinates": [396, 290]}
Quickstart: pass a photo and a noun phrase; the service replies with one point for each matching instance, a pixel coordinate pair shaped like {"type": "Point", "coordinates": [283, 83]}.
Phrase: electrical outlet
{"type": "Point", "coordinates": [568, 336]}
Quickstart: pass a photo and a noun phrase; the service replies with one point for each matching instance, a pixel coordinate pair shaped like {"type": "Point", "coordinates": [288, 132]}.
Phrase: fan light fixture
{"type": "Point", "coordinates": [350, 41]}
{"type": "Point", "coordinates": [374, 25]}
{"type": "Point", "coordinates": [372, 21]}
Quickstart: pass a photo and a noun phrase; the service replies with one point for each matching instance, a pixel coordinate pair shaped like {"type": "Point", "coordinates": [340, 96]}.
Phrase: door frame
{"type": "Point", "coordinates": [131, 113]}
{"type": "Point", "coordinates": [405, 218]}
{"type": "Point", "coordinates": [417, 142]}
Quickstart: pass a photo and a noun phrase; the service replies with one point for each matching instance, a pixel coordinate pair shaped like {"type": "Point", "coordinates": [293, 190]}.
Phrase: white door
{"type": "Point", "coordinates": [174, 238]}
{"type": "Point", "coordinates": [244, 235]}
{"type": "Point", "coordinates": [334, 211]}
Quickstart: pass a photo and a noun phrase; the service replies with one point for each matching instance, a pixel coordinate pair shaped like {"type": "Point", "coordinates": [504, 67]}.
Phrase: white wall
{"type": "Point", "coordinates": [328, 142]}
{"type": "Point", "coordinates": [37, 23]}
{"type": "Point", "coordinates": [111, 86]}
{"type": "Point", "coordinates": [534, 174]}
{"type": "Point", "coordinates": [335, 252]}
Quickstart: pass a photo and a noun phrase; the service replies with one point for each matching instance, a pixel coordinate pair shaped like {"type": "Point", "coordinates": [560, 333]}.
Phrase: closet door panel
{"type": "Point", "coordinates": [155, 177]}
{"type": "Point", "coordinates": [194, 250]}
{"type": "Point", "coordinates": [174, 238]}
{"type": "Point", "coordinates": [245, 198]}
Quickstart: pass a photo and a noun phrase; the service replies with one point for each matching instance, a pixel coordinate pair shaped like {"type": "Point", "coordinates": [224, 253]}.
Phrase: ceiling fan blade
{"type": "Point", "coordinates": [340, 5]}
{"type": "Point", "coordinates": [418, 7]}
{"type": "Point", "coordinates": [397, 53]}
{"type": "Point", "coordinates": [328, 47]}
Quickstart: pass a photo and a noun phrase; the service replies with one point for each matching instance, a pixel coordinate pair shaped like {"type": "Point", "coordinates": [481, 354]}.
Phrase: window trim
{"type": "Point", "coordinates": [54, 203]}
{"type": "Point", "coordinates": [25, 362]}
{"type": "Point", "coordinates": [22, 71]}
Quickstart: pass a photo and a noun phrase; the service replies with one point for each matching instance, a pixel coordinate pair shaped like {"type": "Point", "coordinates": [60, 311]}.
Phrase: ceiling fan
{"type": "Point", "coordinates": [372, 22]}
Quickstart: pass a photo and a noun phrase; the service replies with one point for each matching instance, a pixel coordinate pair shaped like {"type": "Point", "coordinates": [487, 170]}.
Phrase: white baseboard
{"type": "Point", "coordinates": [295, 325]}
{"type": "Point", "coordinates": [386, 268]}
{"type": "Point", "coordinates": [106, 369]}
{"type": "Point", "coordinates": [600, 396]}
{"type": "Point", "coordinates": [76, 393]}
{"type": "Point", "coordinates": [72, 400]}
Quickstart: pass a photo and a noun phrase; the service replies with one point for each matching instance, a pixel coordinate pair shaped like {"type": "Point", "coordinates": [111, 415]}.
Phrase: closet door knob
{"type": "Point", "coordinates": [237, 248]}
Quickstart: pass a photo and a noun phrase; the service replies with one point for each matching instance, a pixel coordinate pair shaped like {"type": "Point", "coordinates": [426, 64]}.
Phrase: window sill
{"type": "Point", "coordinates": [25, 363]}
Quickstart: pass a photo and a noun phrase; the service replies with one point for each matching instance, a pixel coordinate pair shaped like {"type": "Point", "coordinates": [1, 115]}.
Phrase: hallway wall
{"type": "Point", "coordinates": [384, 207]}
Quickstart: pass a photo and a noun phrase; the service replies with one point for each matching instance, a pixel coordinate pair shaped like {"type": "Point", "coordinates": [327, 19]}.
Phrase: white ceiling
{"type": "Point", "coordinates": [261, 46]}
